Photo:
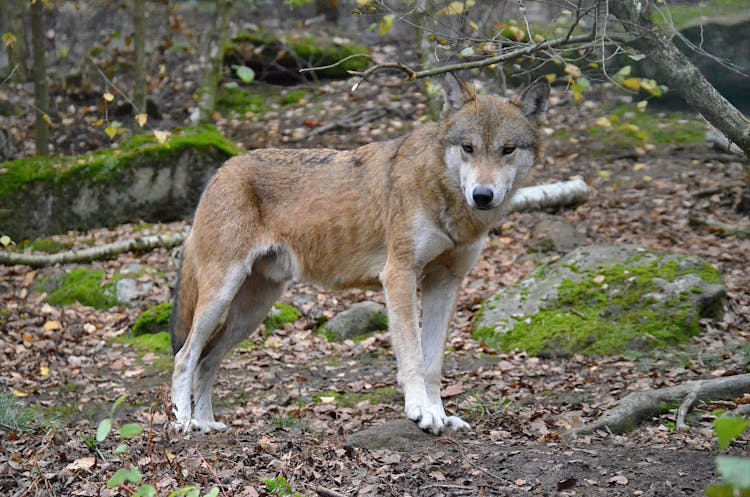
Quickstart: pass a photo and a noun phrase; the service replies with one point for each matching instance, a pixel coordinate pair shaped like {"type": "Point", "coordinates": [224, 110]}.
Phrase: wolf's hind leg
{"type": "Point", "coordinates": [215, 293]}
{"type": "Point", "coordinates": [248, 309]}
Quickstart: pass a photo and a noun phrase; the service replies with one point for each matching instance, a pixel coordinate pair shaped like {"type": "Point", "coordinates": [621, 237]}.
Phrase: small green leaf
{"type": "Point", "coordinates": [246, 74]}
{"type": "Point", "coordinates": [130, 430]}
{"type": "Point", "coordinates": [735, 471]}
{"type": "Point", "coordinates": [120, 449]}
{"type": "Point", "coordinates": [122, 475]}
{"type": "Point", "coordinates": [212, 493]}
{"type": "Point", "coordinates": [102, 431]}
{"type": "Point", "coordinates": [146, 491]}
{"type": "Point", "coordinates": [728, 428]}
{"type": "Point", "coordinates": [120, 399]}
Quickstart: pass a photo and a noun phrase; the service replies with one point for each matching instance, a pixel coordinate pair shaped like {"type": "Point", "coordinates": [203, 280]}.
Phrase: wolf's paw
{"type": "Point", "coordinates": [455, 423]}
{"type": "Point", "coordinates": [184, 425]}
{"type": "Point", "coordinates": [429, 417]}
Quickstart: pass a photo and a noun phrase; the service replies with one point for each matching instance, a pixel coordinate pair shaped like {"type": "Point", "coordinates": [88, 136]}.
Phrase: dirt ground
{"type": "Point", "coordinates": [327, 416]}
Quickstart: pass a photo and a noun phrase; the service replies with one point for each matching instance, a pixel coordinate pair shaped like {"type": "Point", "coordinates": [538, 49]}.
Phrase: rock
{"type": "Point", "coordinates": [140, 180]}
{"type": "Point", "coordinates": [399, 435]}
{"type": "Point", "coordinates": [603, 300]}
{"type": "Point", "coordinates": [358, 320]}
{"type": "Point", "coordinates": [554, 234]}
{"type": "Point", "coordinates": [126, 290]}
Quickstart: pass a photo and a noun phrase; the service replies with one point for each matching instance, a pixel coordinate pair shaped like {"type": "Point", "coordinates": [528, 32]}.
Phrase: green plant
{"type": "Point", "coordinates": [128, 473]}
{"type": "Point", "coordinates": [14, 416]}
{"type": "Point", "coordinates": [279, 486]}
{"type": "Point", "coordinates": [735, 471]}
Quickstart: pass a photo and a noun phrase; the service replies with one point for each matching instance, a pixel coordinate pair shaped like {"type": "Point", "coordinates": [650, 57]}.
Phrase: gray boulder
{"type": "Point", "coordinates": [603, 300]}
{"type": "Point", "coordinates": [358, 320]}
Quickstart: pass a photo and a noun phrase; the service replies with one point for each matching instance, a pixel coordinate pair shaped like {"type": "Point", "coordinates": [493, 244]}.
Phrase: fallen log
{"type": "Point", "coordinates": [637, 406]}
{"type": "Point", "coordinates": [549, 196]}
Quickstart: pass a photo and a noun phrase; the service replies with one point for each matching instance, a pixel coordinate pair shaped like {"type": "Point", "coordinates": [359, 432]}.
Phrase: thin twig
{"type": "Point", "coordinates": [213, 473]}
{"type": "Point", "coordinates": [327, 492]}
{"type": "Point", "coordinates": [335, 64]}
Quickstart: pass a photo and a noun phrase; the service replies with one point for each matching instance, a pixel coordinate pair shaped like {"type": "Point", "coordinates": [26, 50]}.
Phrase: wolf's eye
{"type": "Point", "coordinates": [468, 148]}
{"type": "Point", "coordinates": [509, 149]}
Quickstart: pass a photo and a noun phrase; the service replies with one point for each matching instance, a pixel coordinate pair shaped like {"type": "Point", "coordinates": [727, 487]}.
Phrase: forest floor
{"type": "Point", "coordinates": [313, 412]}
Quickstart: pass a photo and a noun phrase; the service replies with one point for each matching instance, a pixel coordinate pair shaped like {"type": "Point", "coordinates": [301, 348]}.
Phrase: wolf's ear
{"type": "Point", "coordinates": [457, 93]}
{"type": "Point", "coordinates": [533, 100]}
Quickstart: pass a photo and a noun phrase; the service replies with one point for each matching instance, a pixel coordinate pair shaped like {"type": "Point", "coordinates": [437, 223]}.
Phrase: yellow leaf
{"type": "Point", "coordinates": [52, 326]}
{"type": "Point", "coordinates": [108, 97]}
{"type": "Point", "coordinates": [573, 70]}
{"type": "Point", "coordinates": [604, 174]}
{"type": "Point", "coordinates": [538, 38]}
{"type": "Point", "coordinates": [455, 8]}
{"type": "Point", "coordinates": [474, 25]}
{"type": "Point", "coordinates": [632, 84]}
{"type": "Point", "coordinates": [111, 132]}
{"type": "Point", "coordinates": [9, 39]}
{"type": "Point", "coordinates": [639, 166]}
{"type": "Point", "coordinates": [327, 400]}
{"type": "Point", "coordinates": [517, 33]}
{"type": "Point", "coordinates": [161, 136]}
{"type": "Point", "coordinates": [631, 127]}
{"type": "Point", "coordinates": [99, 123]}
{"type": "Point", "coordinates": [386, 24]}
{"type": "Point", "coordinates": [44, 371]}
{"type": "Point", "coordinates": [47, 119]}
{"type": "Point", "coordinates": [641, 106]}
{"type": "Point", "coordinates": [141, 119]}
{"type": "Point", "coordinates": [604, 122]}
{"type": "Point", "coordinates": [20, 394]}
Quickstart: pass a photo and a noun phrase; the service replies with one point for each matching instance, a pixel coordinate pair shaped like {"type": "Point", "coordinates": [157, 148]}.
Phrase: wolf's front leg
{"type": "Point", "coordinates": [440, 288]}
{"type": "Point", "coordinates": [400, 284]}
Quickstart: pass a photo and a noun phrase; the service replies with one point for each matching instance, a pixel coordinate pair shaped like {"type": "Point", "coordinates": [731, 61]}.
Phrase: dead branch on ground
{"type": "Point", "coordinates": [637, 406]}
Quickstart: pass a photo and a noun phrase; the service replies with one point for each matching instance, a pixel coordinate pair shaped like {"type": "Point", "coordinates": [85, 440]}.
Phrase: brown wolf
{"type": "Point", "coordinates": [404, 213]}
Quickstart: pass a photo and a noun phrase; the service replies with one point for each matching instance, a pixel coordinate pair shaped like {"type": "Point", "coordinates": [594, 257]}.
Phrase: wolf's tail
{"type": "Point", "coordinates": [183, 308]}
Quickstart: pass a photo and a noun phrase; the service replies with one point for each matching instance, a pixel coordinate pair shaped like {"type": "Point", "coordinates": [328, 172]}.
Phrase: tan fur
{"type": "Point", "coordinates": [392, 213]}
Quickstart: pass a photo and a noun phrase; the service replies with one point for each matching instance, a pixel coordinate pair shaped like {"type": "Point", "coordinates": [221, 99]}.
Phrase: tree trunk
{"type": "Point", "coordinates": [12, 22]}
{"type": "Point", "coordinates": [41, 90]}
{"type": "Point", "coordinates": [328, 9]}
{"type": "Point", "coordinates": [679, 72]}
{"type": "Point", "coordinates": [212, 60]}
{"type": "Point", "coordinates": [139, 66]}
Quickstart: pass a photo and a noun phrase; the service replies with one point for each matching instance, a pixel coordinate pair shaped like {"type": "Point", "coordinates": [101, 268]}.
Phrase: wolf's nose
{"type": "Point", "coordinates": [482, 197]}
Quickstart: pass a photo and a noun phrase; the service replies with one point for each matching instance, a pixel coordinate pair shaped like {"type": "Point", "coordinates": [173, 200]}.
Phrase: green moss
{"type": "Point", "coordinates": [682, 16]}
{"type": "Point", "coordinates": [351, 399]}
{"type": "Point", "coordinates": [17, 175]}
{"type": "Point", "coordinates": [153, 320]}
{"type": "Point", "coordinates": [47, 245]}
{"type": "Point", "coordinates": [80, 285]}
{"type": "Point", "coordinates": [241, 101]}
{"type": "Point", "coordinates": [597, 319]}
{"type": "Point", "coordinates": [157, 343]}
{"type": "Point", "coordinates": [293, 97]}
{"type": "Point", "coordinates": [281, 315]}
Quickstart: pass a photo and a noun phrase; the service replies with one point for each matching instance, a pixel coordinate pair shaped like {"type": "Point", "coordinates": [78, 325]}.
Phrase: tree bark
{"type": "Point", "coordinates": [41, 90]}
{"type": "Point", "coordinates": [679, 72]}
{"type": "Point", "coordinates": [329, 9]}
{"type": "Point", "coordinates": [12, 22]}
{"type": "Point", "coordinates": [212, 60]}
{"type": "Point", "coordinates": [139, 65]}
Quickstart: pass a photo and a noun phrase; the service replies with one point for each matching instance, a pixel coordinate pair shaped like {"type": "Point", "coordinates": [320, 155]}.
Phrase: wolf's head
{"type": "Point", "coordinates": [490, 143]}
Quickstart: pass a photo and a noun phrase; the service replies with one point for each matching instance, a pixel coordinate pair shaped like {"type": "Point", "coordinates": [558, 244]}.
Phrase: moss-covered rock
{"type": "Point", "coordinates": [82, 285]}
{"type": "Point", "coordinates": [142, 179]}
{"type": "Point", "coordinates": [153, 320]}
{"type": "Point", "coordinates": [278, 59]}
{"type": "Point", "coordinates": [358, 320]}
{"type": "Point", "coordinates": [603, 300]}
{"type": "Point", "coordinates": [280, 315]}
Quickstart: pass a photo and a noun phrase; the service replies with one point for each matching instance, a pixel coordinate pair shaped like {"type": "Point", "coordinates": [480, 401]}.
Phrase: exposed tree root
{"type": "Point", "coordinates": [549, 196]}
{"type": "Point", "coordinates": [638, 406]}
